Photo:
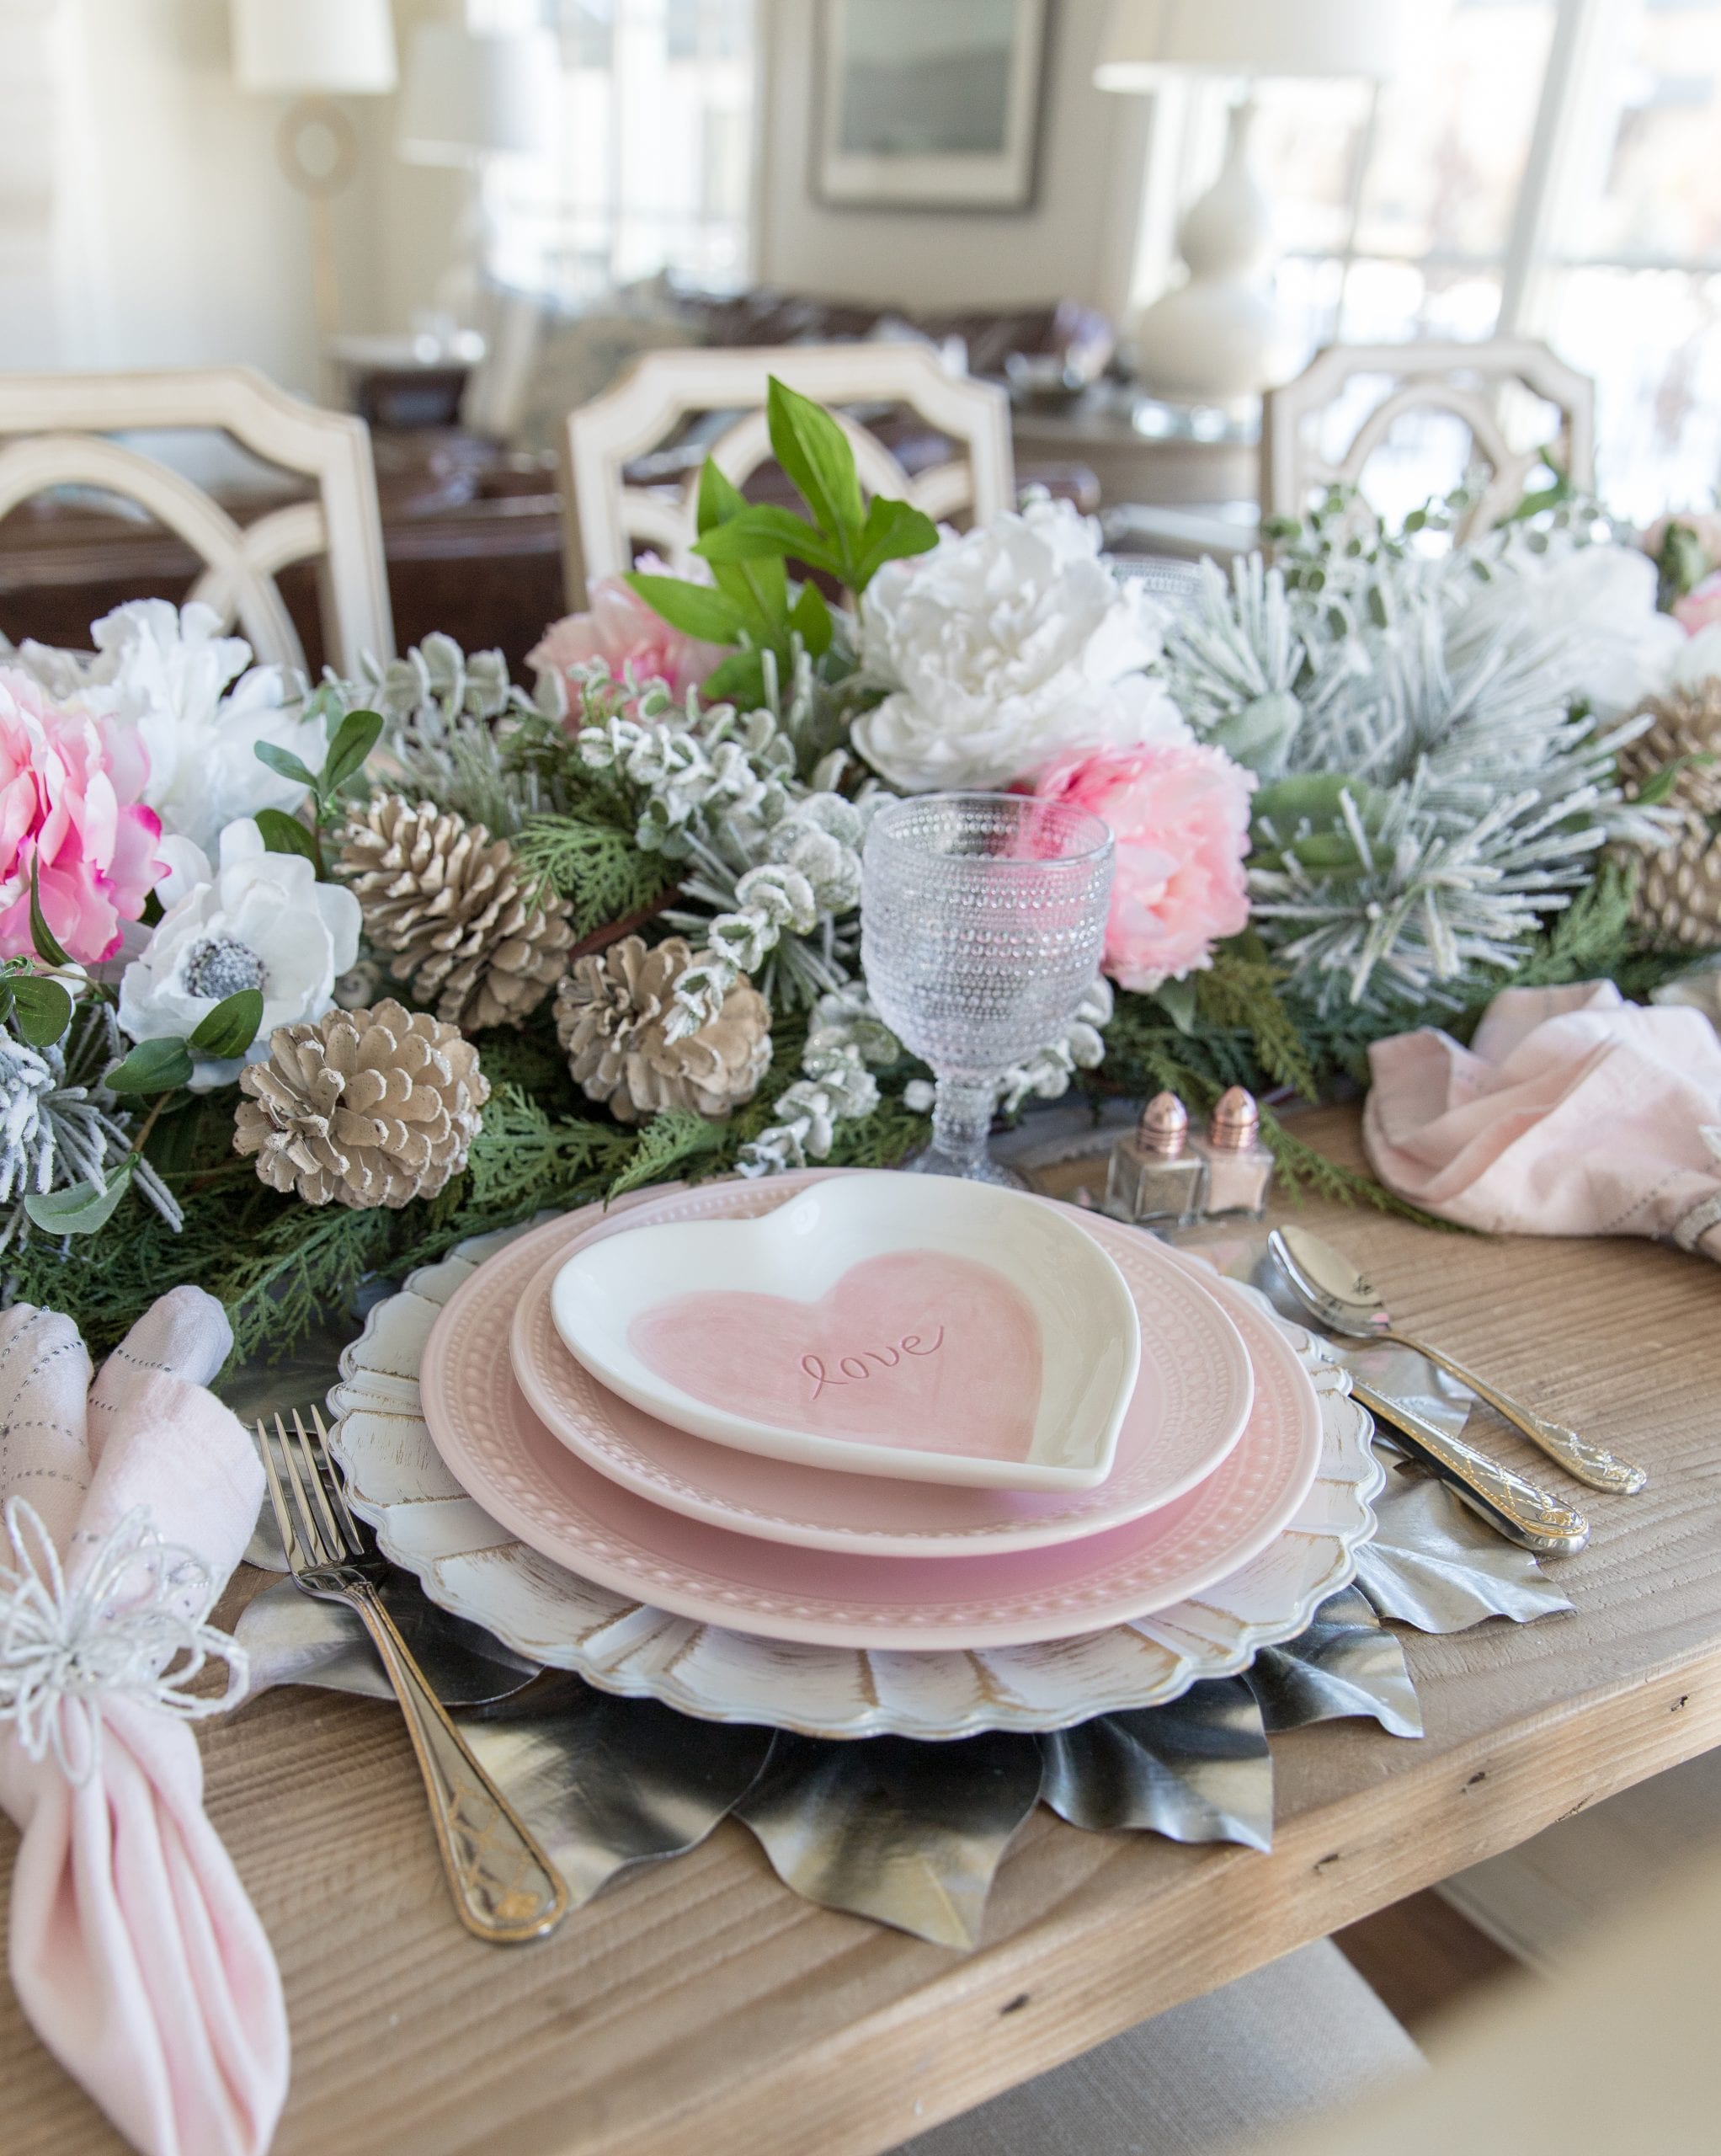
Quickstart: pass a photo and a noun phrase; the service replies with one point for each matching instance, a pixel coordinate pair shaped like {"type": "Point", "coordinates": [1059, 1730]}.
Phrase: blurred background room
{"type": "Point", "coordinates": [461, 222]}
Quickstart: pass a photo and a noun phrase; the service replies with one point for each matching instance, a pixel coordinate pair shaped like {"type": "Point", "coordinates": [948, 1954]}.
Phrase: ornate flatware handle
{"type": "Point", "coordinates": [1529, 1516]}
{"type": "Point", "coordinates": [505, 1888]}
{"type": "Point", "coordinates": [1586, 1463]}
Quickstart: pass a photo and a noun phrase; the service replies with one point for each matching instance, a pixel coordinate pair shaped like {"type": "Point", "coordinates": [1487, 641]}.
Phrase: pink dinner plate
{"type": "Point", "coordinates": [1190, 1403]}
{"type": "Point", "coordinates": [505, 1459]}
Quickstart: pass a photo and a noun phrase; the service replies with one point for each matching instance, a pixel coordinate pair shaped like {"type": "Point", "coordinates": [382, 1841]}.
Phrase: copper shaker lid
{"type": "Point", "coordinates": [1236, 1120]}
{"type": "Point", "coordinates": [1164, 1125]}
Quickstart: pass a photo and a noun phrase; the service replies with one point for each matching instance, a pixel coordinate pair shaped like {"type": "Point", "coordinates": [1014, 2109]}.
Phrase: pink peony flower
{"type": "Point", "coordinates": [1179, 816]}
{"type": "Point", "coordinates": [69, 788]}
{"type": "Point", "coordinates": [624, 632]}
{"type": "Point", "coordinates": [1701, 608]}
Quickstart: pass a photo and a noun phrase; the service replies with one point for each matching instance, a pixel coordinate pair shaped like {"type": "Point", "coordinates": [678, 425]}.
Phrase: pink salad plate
{"type": "Point", "coordinates": [504, 1457]}
{"type": "Point", "coordinates": [1188, 1408]}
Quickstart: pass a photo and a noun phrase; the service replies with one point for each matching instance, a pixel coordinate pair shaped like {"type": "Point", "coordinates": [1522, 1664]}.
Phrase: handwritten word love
{"type": "Point", "coordinates": [854, 1367]}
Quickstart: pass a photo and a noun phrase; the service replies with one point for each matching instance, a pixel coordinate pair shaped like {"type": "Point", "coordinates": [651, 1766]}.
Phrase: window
{"type": "Point", "coordinates": [1549, 167]}
{"type": "Point", "coordinates": [654, 169]}
{"type": "Point", "coordinates": [1628, 284]}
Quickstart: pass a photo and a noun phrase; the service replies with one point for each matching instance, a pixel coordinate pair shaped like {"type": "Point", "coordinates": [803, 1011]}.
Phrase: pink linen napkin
{"type": "Point", "coordinates": [1572, 1113]}
{"type": "Point", "coordinates": [134, 1951]}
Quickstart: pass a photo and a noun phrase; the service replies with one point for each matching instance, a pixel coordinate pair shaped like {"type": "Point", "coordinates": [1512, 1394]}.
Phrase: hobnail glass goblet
{"type": "Point", "coordinates": [982, 919]}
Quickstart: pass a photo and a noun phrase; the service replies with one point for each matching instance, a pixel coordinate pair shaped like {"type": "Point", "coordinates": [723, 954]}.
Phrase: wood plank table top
{"type": "Point", "coordinates": [700, 2006]}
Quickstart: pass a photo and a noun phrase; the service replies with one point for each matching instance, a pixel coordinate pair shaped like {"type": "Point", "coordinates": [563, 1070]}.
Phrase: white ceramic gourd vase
{"type": "Point", "coordinates": [1221, 336]}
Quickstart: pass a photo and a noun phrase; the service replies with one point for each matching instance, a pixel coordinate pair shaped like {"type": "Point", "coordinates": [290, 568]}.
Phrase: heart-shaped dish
{"type": "Point", "coordinates": [919, 1327]}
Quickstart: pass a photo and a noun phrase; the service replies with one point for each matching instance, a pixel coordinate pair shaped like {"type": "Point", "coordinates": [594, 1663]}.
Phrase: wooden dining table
{"type": "Point", "coordinates": [700, 2009]}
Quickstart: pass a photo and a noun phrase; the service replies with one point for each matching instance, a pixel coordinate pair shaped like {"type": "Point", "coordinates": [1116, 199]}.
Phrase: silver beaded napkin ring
{"type": "Point", "coordinates": [131, 1626]}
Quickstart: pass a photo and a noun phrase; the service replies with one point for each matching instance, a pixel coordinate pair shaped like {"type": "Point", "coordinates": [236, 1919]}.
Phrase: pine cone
{"type": "Point", "coordinates": [453, 908]}
{"type": "Point", "coordinates": [365, 1107]}
{"type": "Point", "coordinates": [612, 1015]}
{"type": "Point", "coordinates": [1678, 899]}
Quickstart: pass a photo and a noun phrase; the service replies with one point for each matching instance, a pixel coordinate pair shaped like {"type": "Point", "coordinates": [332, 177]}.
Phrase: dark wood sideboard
{"type": "Point", "coordinates": [473, 536]}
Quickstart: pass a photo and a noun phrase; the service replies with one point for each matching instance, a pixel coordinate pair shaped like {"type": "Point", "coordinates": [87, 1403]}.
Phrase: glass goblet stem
{"type": "Point", "coordinates": [961, 1119]}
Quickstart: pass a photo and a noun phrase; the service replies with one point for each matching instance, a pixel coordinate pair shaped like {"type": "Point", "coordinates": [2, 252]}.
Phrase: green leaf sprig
{"type": "Point", "coordinates": [356, 736]}
{"type": "Point", "coordinates": [38, 1006]}
{"type": "Point", "coordinates": [751, 603]}
{"type": "Point", "coordinates": [166, 1062]}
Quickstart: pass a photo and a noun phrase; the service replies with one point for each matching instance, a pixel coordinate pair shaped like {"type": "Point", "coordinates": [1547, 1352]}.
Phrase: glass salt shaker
{"type": "Point", "coordinates": [1153, 1174]}
{"type": "Point", "coordinates": [1239, 1166]}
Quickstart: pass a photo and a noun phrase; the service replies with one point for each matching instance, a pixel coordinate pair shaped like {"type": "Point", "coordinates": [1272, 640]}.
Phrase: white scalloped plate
{"type": "Point", "coordinates": [472, 1566]}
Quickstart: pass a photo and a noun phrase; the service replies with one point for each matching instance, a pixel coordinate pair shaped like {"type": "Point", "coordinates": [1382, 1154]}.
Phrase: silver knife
{"type": "Point", "coordinates": [1528, 1515]}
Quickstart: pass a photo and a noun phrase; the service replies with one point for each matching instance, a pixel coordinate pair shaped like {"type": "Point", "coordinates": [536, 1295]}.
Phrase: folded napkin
{"type": "Point", "coordinates": [1572, 1113]}
{"type": "Point", "coordinates": [135, 1951]}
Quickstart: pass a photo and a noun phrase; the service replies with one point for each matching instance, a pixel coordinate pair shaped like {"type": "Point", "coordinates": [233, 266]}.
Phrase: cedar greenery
{"type": "Point", "coordinates": [594, 864]}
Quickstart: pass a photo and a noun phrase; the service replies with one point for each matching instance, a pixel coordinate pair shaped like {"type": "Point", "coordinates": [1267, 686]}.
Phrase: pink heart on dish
{"type": "Point", "coordinates": [916, 1348]}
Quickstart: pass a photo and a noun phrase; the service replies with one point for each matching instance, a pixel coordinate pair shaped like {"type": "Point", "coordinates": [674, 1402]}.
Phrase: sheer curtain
{"type": "Point", "coordinates": [654, 170]}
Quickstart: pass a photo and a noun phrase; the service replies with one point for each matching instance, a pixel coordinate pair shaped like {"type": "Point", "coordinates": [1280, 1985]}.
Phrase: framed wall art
{"type": "Point", "coordinates": [929, 105]}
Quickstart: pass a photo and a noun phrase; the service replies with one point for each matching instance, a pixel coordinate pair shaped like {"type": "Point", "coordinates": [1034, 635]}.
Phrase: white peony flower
{"type": "Point", "coordinates": [259, 920]}
{"type": "Point", "coordinates": [1003, 647]}
{"type": "Point", "coordinates": [201, 713]}
{"type": "Point", "coordinates": [1595, 604]}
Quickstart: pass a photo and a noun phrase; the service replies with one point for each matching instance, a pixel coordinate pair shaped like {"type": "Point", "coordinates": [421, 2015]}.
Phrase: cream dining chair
{"type": "Point", "coordinates": [604, 515]}
{"type": "Point", "coordinates": [55, 431]}
{"type": "Point", "coordinates": [1474, 384]}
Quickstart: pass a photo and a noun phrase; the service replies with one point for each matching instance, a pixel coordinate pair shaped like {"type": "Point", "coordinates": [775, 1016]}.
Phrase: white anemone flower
{"type": "Point", "coordinates": [200, 706]}
{"type": "Point", "coordinates": [1004, 647]}
{"type": "Point", "coordinates": [259, 919]}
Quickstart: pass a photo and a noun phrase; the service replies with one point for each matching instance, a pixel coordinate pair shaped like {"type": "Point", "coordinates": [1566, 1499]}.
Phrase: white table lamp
{"type": "Point", "coordinates": [313, 52]}
{"type": "Point", "coordinates": [1221, 336]}
{"type": "Point", "coordinates": [336, 48]}
{"type": "Point", "coordinates": [470, 98]}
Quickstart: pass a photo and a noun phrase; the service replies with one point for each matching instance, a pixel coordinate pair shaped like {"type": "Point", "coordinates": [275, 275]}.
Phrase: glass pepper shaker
{"type": "Point", "coordinates": [1154, 1176]}
{"type": "Point", "coordinates": [1239, 1166]}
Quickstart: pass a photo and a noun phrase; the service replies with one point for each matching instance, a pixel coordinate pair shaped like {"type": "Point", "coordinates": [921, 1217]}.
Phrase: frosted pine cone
{"type": "Point", "coordinates": [362, 1108]}
{"type": "Point", "coordinates": [1678, 898]}
{"type": "Point", "coordinates": [612, 1016]}
{"type": "Point", "coordinates": [453, 909]}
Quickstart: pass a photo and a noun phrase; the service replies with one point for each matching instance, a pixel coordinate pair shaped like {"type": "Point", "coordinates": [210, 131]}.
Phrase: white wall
{"type": "Point", "coordinates": [177, 239]}
{"type": "Point", "coordinates": [30, 294]}
{"type": "Point", "coordinates": [1077, 241]}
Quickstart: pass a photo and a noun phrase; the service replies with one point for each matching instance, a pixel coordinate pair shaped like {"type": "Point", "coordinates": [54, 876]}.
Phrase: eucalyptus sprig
{"type": "Point", "coordinates": [37, 1006]}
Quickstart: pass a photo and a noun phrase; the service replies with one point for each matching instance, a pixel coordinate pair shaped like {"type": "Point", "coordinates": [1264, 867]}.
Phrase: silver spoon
{"type": "Point", "coordinates": [1342, 1300]}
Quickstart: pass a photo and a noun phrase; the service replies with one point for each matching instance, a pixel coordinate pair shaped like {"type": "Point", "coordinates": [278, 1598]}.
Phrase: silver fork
{"type": "Point", "coordinates": [505, 1889]}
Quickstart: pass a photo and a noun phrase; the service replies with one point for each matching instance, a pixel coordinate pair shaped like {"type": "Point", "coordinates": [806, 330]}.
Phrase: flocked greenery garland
{"type": "Point", "coordinates": [594, 821]}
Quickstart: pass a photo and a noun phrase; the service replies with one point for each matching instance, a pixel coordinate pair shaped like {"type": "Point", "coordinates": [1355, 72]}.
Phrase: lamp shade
{"type": "Point", "coordinates": [1144, 40]}
{"type": "Point", "coordinates": [469, 97]}
{"type": "Point", "coordinates": [339, 47]}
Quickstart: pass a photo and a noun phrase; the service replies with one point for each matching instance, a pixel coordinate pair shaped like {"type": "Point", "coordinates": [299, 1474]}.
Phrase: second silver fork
{"type": "Point", "coordinates": [505, 1888]}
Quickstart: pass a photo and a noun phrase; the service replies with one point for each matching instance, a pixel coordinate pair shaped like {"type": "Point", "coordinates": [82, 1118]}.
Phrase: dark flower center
{"type": "Point", "coordinates": [221, 965]}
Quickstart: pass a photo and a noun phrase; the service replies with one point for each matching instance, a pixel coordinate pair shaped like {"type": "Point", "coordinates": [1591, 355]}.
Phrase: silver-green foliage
{"type": "Point", "coordinates": [768, 864]}
{"type": "Point", "coordinates": [60, 1127]}
{"type": "Point", "coordinates": [1428, 793]}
